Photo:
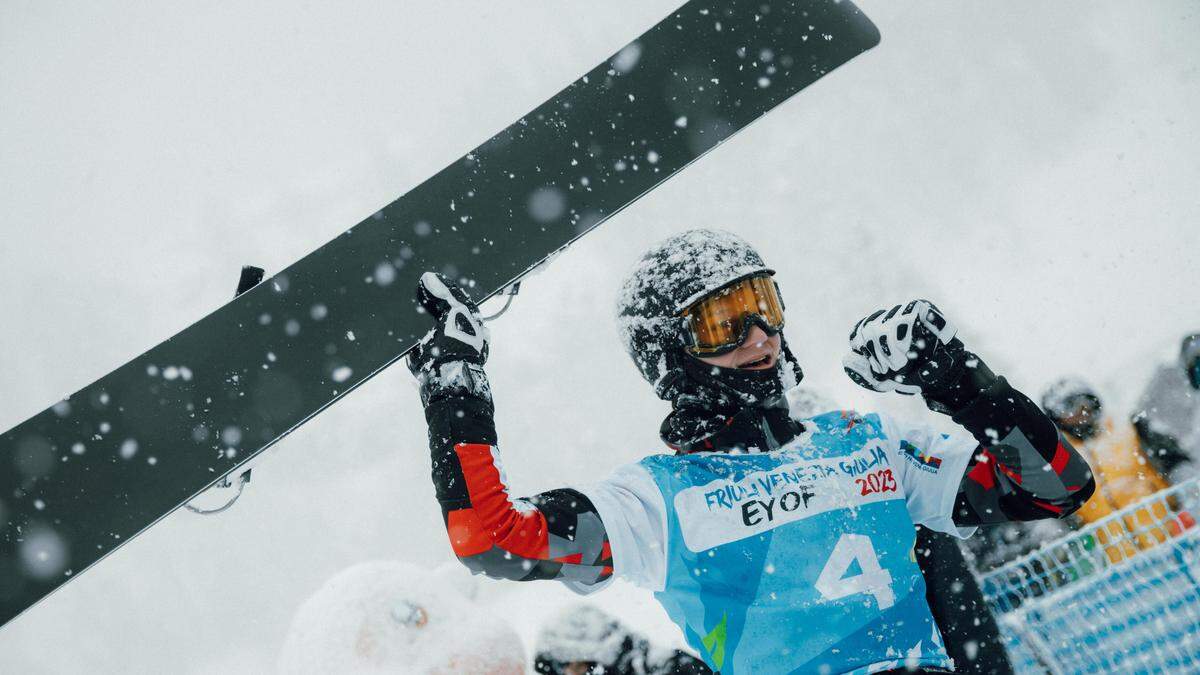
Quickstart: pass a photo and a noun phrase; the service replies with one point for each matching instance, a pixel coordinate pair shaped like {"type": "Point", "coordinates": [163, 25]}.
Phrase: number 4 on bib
{"type": "Point", "coordinates": [854, 568]}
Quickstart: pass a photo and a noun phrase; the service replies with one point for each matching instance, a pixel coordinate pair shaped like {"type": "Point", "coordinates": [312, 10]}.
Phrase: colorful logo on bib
{"type": "Point", "coordinates": [714, 642]}
{"type": "Point", "coordinates": [918, 457]}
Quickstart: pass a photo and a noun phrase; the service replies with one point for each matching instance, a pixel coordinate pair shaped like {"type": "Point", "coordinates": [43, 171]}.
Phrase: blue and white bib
{"type": "Point", "coordinates": [795, 561]}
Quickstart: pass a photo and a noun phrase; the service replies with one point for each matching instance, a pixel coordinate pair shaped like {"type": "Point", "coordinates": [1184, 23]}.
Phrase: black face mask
{"type": "Point", "coordinates": [690, 430]}
{"type": "Point", "coordinates": [728, 409]}
{"type": "Point", "coordinates": [752, 388]}
{"type": "Point", "coordinates": [730, 389]}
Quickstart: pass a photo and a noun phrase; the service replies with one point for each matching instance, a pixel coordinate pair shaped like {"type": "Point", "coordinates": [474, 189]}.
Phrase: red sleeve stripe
{"type": "Point", "coordinates": [467, 535]}
{"type": "Point", "coordinates": [1016, 477]}
{"type": "Point", "coordinates": [521, 532]}
{"type": "Point", "coordinates": [982, 471]}
{"type": "Point", "coordinates": [1049, 507]}
{"type": "Point", "coordinates": [1061, 457]}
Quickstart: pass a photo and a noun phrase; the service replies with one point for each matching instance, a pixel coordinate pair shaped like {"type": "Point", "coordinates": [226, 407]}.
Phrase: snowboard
{"type": "Point", "coordinates": [85, 476]}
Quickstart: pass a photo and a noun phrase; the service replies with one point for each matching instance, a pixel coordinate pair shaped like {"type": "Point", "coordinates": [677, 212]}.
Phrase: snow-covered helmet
{"type": "Point", "coordinates": [673, 275]}
{"type": "Point", "coordinates": [582, 634]}
{"type": "Point", "coordinates": [1064, 398]}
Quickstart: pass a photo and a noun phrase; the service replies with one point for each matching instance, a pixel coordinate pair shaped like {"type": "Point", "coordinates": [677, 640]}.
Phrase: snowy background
{"type": "Point", "coordinates": [1031, 167]}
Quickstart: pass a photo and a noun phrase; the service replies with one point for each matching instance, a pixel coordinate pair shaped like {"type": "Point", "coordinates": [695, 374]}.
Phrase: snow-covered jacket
{"type": "Point", "coordinates": [584, 634]}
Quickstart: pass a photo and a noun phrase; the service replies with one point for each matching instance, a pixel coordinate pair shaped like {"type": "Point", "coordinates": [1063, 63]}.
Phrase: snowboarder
{"type": "Point", "coordinates": [581, 640]}
{"type": "Point", "coordinates": [776, 544]}
{"type": "Point", "coordinates": [1124, 468]}
{"type": "Point", "coordinates": [1169, 413]}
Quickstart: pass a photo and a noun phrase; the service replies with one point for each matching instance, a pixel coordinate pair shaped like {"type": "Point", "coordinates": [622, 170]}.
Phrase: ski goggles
{"type": "Point", "coordinates": [719, 323]}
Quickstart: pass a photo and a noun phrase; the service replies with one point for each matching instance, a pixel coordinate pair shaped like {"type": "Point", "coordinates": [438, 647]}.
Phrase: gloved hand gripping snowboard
{"type": "Point", "coordinates": [450, 357]}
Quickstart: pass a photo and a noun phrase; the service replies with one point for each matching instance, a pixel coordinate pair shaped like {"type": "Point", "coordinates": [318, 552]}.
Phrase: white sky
{"type": "Point", "coordinates": [1031, 167]}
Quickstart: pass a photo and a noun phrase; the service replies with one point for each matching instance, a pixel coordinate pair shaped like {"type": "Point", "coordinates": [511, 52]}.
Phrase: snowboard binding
{"type": "Point", "coordinates": [510, 292]}
{"type": "Point", "coordinates": [251, 277]}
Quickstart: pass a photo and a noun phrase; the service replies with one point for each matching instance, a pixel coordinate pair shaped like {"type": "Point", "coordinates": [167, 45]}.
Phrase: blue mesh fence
{"type": "Point", "coordinates": [1121, 595]}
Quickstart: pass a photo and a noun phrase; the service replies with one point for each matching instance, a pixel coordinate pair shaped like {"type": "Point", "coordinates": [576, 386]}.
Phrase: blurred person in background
{"type": "Point", "coordinates": [1169, 413]}
{"type": "Point", "coordinates": [396, 617]}
{"type": "Point", "coordinates": [999, 544]}
{"type": "Point", "coordinates": [1125, 466]}
{"type": "Point", "coordinates": [582, 639]}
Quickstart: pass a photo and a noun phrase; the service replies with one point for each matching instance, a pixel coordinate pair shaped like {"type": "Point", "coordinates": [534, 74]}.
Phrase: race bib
{"type": "Point", "coordinates": [725, 511]}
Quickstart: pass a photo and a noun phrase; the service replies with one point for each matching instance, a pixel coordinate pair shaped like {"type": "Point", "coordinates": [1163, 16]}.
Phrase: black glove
{"type": "Point", "coordinates": [450, 357]}
{"type": "Point", "coordinates": [910, 349]}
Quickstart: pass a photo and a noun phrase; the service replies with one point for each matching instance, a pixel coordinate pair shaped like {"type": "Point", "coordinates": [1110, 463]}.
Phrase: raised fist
{"type": "Point", "coordinates": [910, 349]}
{"type": "Point", "coordinates": [452, 354]}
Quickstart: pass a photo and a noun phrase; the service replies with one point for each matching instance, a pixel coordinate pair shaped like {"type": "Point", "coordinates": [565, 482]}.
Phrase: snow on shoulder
{"type": "Point", "coordinates": [393, 617]}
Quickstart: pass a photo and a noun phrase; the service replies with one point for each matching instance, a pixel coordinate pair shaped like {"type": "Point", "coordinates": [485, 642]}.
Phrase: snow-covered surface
{"type": "Point", "coordinates": [1030, 167]}
{"type": "Point", "coordinates": [393, 617]}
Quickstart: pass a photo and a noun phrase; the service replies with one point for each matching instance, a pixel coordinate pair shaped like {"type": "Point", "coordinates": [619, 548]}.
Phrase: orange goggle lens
{"type": "Point", "coordinates": [719, 323]}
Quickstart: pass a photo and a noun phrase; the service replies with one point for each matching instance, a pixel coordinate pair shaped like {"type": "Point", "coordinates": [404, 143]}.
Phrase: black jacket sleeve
{"type": "Point", "coordinates": [1023, 469]}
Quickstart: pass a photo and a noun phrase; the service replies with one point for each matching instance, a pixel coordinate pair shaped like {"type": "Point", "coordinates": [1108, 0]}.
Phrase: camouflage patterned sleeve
{"type": "Point", "coordinates": [1023, 469]}
{"type": "Point", "coordinates": [554, 535]}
